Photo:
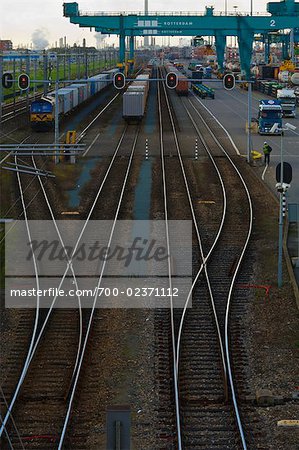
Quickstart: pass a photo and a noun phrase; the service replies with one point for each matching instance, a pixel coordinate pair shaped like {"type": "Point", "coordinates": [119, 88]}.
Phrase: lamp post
{"type": "Point", "coordinates": [249, 141]}
{"type": "Point", "coordinates": [282, 191]}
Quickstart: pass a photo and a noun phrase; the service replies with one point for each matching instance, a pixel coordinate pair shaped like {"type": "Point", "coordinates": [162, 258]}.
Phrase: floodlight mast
{"type": "Point", "coordinates": [146, 38]}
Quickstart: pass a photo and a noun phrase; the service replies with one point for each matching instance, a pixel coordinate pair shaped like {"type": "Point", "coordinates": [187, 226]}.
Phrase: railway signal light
{"type": "Point", "coordinates": [171, 80]}
{"type": "Point", "coordinates": [229, 81]}
{"type": "Point", "coordinates": [24, 81]}
{"type": "Point", "coordinates": [7, 80]}
{"type": "Point", "coordinates": [119, 80]}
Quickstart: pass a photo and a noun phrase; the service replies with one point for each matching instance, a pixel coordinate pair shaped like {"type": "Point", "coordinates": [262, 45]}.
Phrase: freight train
{"type": "Point", "coordinates": [135, 97]}
{"type": "Point", "coordinates": [183, 82]}
{"type": "Point", "coordinates": [42, 111]}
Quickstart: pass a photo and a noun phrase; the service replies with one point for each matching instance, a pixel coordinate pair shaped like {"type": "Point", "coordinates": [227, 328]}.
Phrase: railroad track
{"type": "Point", "coordinates": [12, 110]}
{"type": "Point", "coordinates": [207, 413]}
{"type": "Point", "coordinates": [48, 366]}
{"type": "Point", "coordinates": [194, 349]}
{"type": "Point", "coordinates": [42, 400]}
{"type": "Point", "coordinates": [79, 436]}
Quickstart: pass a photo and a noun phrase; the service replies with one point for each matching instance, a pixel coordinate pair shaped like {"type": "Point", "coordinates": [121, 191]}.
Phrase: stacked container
{"type": "Point", "coordinates": [75, 94]}
{"type": "Point", "coordinates": [183, 82]}
{"type": "Point", "coordinates": [134, 99]}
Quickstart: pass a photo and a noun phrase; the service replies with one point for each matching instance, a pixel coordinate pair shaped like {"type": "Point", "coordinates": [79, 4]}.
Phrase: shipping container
{"type": "Point", "coordinates": [134, 105]}
{"type": "Point", "coordinates": [183, 82]}
{"type": "Point", "coordinates": [66, 96]}
{"type": "Point", "coordinates": [75, 95]}
{"type": "Point", "coordinates": [95, 84]}
{"type": "Point", "coordinates": [104, 81]}
{"type": "Point", "coordinates": [83, 91]}
{"type": "Point", "coordinates": [183, 86]}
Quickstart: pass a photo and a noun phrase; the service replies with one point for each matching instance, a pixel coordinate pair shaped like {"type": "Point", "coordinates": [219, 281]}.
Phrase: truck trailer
{"type": "Point", "coordinates": [287, 99]}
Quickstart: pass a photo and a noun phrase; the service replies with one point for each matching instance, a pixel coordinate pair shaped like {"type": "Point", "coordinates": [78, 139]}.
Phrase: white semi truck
{"type": "Point", "coordinates": [287, 99]}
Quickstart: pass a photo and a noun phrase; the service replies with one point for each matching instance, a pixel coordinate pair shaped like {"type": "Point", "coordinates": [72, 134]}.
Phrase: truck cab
{"type": "Point", "coordinates": [270, 117]}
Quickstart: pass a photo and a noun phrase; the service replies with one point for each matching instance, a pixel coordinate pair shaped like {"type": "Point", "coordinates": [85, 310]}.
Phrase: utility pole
{"type": "Point", "coordinates": [284, 179]}
{"type": "Point", "coordinates": [27, 62]}
{"type": "Point", "coordinates": [146, 39]}
{"type": "Point", "coordinates": [280, 238]}
{"type": "Point", "coordinates": [45, 61]}
{"type": "Point", "coordinates": [249, 122]}
{"type": "Point", "coordinates": [292, 50]}
{"type": "Point", "coordinates": [56, 158]}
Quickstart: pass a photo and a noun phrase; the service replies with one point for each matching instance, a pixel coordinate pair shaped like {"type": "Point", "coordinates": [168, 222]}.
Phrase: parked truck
{"type": "Point", "coordinates": [287, 99]}
{"type": "Point", "coordinates": [270, 117]}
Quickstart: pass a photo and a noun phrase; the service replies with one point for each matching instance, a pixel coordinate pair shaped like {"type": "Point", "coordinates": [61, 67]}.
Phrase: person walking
{"type": "Point", "coordinates": [267, 150]}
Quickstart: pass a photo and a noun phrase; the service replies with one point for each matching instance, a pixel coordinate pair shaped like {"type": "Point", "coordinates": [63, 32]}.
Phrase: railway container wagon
{"type": "Point", "coordinates": [134, 105]}
{"type": "Point", "coordinates": [42, 111]}
{"type": "Point", "coordinates": [135, 98]}
{"type": "Point", "coordinates": [183, 86]}
{"type": "Point", "coordinates": [65, 100]}
{"type": "Point", "coordinates": [183, 82]}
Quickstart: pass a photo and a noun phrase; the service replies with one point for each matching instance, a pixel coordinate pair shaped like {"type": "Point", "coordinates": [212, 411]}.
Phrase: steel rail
{"type": "Point", "coordinates": [96, 117]}
{"type": "Point", "coordinates": [26, 364]}
{"type": "Point", "coordinates": [36, 339]}
{"type": "Point", "coordinates": [95, 299]}
{"type": "Point", "coordinates": [79, 240]}
{"type": "Point", "coordinates": [175, 374]}
{"type": "Point", "coordinates": [7, 435]}
{"type": "Point", "coordinates": [68, 261]}
{"type": "Point", "coordinates": [27, 361]}
{"type": "Point", "coordinates": [232, 285]}
{"type": "Point", "coordinates": [13, 423]}
{"type": "Point", "coordinates": [203, 257]}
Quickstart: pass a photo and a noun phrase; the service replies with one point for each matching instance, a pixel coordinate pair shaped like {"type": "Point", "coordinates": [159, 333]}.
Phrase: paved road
{"type": "Point", "coordinates": [230, 108]}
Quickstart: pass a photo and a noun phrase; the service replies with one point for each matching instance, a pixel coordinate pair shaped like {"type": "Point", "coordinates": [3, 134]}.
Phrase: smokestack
{"type": "Point", "coordinates": [146, 39]}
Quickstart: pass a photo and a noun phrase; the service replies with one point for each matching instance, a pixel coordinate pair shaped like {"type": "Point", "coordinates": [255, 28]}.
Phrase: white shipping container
{"type": "Point", "coordinates": [67, 99]}
{"type": "Point", "coordinates": [103, 83]}
{"type": "Point", "coordinates": [133, 104]}
{"type": "Point", "coordinates": [75, 95]}
{"type": "Point", "coordinates": [82, 90]}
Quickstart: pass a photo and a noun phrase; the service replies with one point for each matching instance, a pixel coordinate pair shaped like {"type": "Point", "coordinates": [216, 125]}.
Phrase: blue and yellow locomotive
{"type": "Point", "coordinates": [42, 114]}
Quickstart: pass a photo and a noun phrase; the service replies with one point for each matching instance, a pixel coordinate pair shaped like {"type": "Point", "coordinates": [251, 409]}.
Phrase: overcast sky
{"type": "Point", "coordinates": [19, 19]}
